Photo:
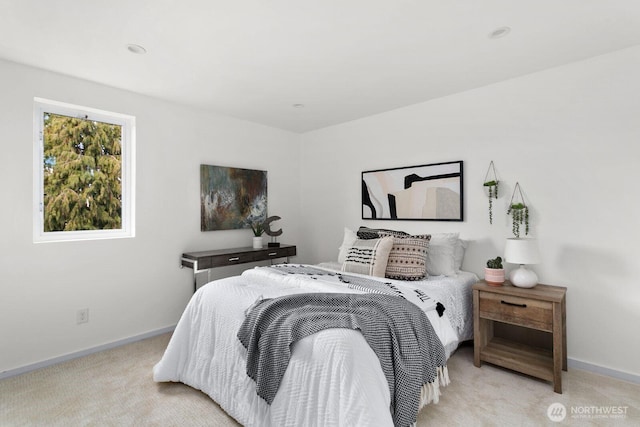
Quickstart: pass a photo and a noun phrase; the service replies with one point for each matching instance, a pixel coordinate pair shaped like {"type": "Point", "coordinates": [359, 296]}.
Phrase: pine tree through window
{"type": "Point", "coordinates": [85, 174]}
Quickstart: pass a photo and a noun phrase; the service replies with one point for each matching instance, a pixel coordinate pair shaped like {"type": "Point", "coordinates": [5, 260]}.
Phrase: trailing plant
{"type": "Point", "coordinates": [519, 216]}
{"type": "Point", "coordinates": [519, 212]}
{"type": "Point", "coordinates": [495, 263]}
{"type": "Point", "coordinates": [492, 187]}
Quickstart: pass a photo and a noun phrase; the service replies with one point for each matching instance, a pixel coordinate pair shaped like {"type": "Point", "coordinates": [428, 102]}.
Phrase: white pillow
{"type": "Point", "coordinates": [441, 254]}
{"type": "Point", "coordinates": [458, 255]}
{"type": "Point", "coordinates": [348, 241]}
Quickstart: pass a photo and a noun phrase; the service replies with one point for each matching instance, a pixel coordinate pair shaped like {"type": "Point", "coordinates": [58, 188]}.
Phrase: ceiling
{"type": "Point", "coordinates": [341, 59]}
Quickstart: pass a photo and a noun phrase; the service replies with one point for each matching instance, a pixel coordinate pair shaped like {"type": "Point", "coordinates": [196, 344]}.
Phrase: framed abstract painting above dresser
{"type": "Point", "coordinates": [231, 198]}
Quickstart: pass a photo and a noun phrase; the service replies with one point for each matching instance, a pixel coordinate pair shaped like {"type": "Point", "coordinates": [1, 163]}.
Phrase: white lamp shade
{"type": "Point", "coordinates": [521, 251]}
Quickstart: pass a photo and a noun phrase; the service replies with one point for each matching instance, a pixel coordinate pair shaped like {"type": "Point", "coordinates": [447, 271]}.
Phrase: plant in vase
{"type": "Point", "coordinates": [258, 230]}
{"type": "Point", "coordinates": [494, 272]}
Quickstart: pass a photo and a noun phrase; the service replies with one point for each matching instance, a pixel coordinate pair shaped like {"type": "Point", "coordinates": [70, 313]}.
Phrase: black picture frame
{"type": "Point", "coordinates": [431, 192]}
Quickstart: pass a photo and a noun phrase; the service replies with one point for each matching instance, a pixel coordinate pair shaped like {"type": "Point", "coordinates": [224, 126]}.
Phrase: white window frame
{"type": "Point", "coordinates": [128, 124]}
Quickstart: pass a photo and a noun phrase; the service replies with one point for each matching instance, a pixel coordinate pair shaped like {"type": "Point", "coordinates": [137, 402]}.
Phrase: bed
{"type": "Point", "coordinates": [333, 376]}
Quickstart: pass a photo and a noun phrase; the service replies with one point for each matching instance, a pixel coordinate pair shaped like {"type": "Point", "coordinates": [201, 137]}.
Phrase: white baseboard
{"type": "Point", "coordinates": [608, 372]}
{"type": "Point", "coordinates": [70, 356]}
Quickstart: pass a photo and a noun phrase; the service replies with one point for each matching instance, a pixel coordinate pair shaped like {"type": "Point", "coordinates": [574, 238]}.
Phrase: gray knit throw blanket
{"type": "Point", "coordinates": [410, 353]}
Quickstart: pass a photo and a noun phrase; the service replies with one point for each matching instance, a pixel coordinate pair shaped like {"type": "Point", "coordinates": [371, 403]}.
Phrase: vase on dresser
{"type": "Point", "coordinates": [257, 242]}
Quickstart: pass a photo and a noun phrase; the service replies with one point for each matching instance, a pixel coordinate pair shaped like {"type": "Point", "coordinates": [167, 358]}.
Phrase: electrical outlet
{"type": "Point", "coordinates": [82, 316]}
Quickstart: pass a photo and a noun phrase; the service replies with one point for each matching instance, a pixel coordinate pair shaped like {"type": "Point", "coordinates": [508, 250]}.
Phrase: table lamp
{"type": "Point", "coordinates": [522, 251]}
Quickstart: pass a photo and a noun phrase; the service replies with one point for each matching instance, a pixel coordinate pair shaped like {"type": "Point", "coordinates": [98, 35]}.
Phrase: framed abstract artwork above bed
{"type": "Point", "coordinates": [432, 192]}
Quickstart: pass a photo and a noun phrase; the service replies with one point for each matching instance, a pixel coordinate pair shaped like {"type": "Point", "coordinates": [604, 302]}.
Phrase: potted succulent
{"type": "Point", "coordinates": [494, 272]}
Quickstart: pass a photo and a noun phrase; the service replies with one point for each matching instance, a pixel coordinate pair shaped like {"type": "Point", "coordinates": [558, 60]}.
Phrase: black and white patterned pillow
{"type": "Point", "coordinates": [374, 233]}
{"type": "Point", "coordinates": [408, 257]}
{"type": "Point", "coordinates": [368, 256]}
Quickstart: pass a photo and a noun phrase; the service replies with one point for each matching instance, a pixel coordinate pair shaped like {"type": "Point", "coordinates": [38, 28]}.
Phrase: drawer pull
{"type": "Point", "coordinates": [513, 303]}
{"type": "Point", "coordinates": [273, 254]}
{"type": "Point", "coordinates": [235, 258]}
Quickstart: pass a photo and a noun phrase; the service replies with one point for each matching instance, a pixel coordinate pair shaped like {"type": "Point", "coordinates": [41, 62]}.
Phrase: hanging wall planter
{"type": "Point", "coordinates": [491, 185]}
{"type": "Point", "coordinates": [519, 212]}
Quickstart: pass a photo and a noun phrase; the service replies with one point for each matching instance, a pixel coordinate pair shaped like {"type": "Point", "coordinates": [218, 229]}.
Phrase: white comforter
{"type": "Point", "coordinates": [333, 378]}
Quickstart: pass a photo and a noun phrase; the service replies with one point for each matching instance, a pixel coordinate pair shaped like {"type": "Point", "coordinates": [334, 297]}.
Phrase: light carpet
{"type": "Point", "coordinates": [115, 388]}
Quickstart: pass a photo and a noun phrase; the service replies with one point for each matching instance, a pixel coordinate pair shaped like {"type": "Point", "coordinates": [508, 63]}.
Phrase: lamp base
{"type": "Point", "coordinates": [523, 278]}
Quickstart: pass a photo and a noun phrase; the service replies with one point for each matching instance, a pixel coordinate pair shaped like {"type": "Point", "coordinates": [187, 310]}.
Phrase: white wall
{"type": "Point", "coordinates": [131, 286]}
{"type": "Point", "coordinates": [570, 136]}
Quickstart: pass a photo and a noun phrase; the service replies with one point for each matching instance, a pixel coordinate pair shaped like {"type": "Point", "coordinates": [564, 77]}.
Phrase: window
{"type": "Point", "coordinates": [83, 173]}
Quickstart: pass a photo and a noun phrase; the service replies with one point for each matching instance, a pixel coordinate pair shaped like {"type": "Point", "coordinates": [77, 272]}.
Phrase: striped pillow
{"type": "Point", "coordinates": [368, 256]}
{"type": "Point", "coordinates": [408, 257]}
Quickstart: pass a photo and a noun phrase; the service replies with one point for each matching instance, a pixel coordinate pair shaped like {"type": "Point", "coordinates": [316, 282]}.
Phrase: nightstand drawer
{"type": "Point", "coordinates": [527, 312]}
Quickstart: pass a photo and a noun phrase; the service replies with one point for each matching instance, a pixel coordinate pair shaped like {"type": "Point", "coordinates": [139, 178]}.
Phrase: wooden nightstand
{"type": "Point", "coordinates": [541, 308]}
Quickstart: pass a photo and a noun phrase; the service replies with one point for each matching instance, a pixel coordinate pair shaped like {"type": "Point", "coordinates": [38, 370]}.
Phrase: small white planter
{"type": "Point", "coordinates": [257, 242]}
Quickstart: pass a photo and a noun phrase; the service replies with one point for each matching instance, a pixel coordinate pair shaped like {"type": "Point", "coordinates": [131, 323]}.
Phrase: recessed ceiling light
{"type": "Point", "coordinates": [137, 49]}
{"type": "Point", "coordinates": [298, 105]}
{"type": "Point", "coordinates": [499, 32]}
